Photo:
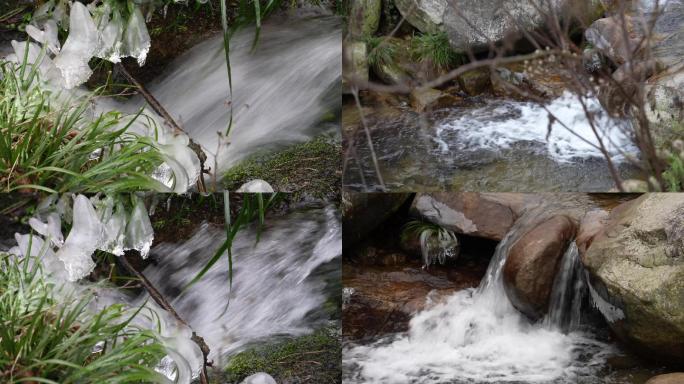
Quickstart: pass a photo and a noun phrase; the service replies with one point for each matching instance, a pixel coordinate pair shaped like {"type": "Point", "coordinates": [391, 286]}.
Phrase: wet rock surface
{"type": "Point", "coordinates": [533, 262]}
{"type": "Point", "coordinates": [364, 212]}
{"type": "Point", "coordinates": [668, 378]}
{"type": "Point", "coordinates": [636, 265]}
{"type": "Point", "coordinates": [489, 216]}
{"type": "Point", "coordinates": [380, 300]}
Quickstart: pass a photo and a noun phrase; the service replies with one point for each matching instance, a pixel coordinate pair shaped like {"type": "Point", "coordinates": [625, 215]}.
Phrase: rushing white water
{"type": "Point", "coordinates": [476, 335]}
{"type": "Point", "coordinates": [281, 90]}
{"type": "Point", "coordinates": [277, 288]}
{"type": "Point", "coordinates": [568, 293]}
{"type": "Point", "coordinates": [502, 124]}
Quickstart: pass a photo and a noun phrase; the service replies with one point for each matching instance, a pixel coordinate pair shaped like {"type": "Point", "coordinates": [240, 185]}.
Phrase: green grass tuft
{"type": "Point", "coordinates": [381, 51]}
{"type": "Point", "coordinates": [435, 49]}
{"type": "Point", "coordinates": [59, 148]}
{"type": "Point", "coordinates": [46, 340]}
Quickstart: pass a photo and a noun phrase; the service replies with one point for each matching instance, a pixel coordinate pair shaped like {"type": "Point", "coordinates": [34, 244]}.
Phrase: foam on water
{"type": "Point", "coordinates": [276, 288]}
{"type": "Point", "coordinates": [476, 335]}
{"type": "Point", "coordinates": [502, 124]}
{"type": "Point", "coordinates": [281, 89]}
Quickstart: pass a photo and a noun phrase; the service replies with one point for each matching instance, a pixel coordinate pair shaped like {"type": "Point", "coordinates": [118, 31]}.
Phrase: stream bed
{"type": "Point", "coordinates": [488, 145]}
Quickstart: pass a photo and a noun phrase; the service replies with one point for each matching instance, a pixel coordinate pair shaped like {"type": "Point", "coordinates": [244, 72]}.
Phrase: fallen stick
{"type": "Point", "coordinates": [161, 300]}
{"type": "Point", "coordinates": [164, 114]}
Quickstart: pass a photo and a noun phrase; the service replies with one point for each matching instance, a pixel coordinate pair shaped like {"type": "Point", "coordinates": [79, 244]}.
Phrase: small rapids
{"type": "Point", "coordinates": [279, 283]}
{"type": "Point", "coordinates": [477, 336]}
{"type": "Point", "coordinates": [495, 145]}
{"type": "Point", "coordinates": [281, 90]}
{"type": "Point", "coordinates": [501, 124]}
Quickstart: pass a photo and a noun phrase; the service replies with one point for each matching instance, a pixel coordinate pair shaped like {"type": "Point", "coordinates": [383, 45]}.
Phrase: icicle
{"type": "Point", "coordinates": [110, 39]}
{"type": "Point", "coordinates": [86, 236]}
{"type": "Point", "coordinates": [47, 36]}
{"type": "Point", "coordinates": [51, 230]}
{"type": "Point", "coordinates": [139, 231]}
{"type": "Point", "coordinates": [78, 48]}
{"type": "Point", "coordinates": [136, 37]}
{"type": "Point", "coordinates": [114, 222]}
{"type": "Point", "coordinates": [259, 378]}
{"type": "Point", "coordinates": [182, 166]}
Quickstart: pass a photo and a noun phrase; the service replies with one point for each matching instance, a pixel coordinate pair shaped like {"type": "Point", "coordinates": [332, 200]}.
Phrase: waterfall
{"type": "Point", "coordinates": [568, 293]}
{"type": "Point", "coordinates": [281, 90]}
{"type": "Point", "coordinates": [279, 283]}
{"type": "Point", "coordinates": [476, 335]}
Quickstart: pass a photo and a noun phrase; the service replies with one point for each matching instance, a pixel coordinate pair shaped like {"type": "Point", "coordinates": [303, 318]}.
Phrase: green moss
{"type": "Point", "coordinates": [314, 358]}
{"type": "Point", "coordinates": [312, 167]}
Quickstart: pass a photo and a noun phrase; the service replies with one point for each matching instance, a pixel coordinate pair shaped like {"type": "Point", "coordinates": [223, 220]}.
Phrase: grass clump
{"type": "Point", "coordinates": [57, 148]}
{"type": "Point", "coordinates": [314, 358]}
{"type": "Point", "coordinates": [436, 243]}
{"type": "Point", "coordinates": [381, 51]}
{"type": "Point", "coordinates": [434, 49]}
{"type": "Point", "coordinates": [312, 167]}
{"type": "Point", "coordinates": [43, 340]}
{"type": "Point", "coordinates": [674, 175]}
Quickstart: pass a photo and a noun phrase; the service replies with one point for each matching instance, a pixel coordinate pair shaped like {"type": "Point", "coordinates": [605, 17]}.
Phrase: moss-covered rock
{"type": "Point", "coordinates": [364, 17]}
{"type": "Point", "coordinates": [311, 168]}
{"type": "Point", "coordinates": [314, 358]}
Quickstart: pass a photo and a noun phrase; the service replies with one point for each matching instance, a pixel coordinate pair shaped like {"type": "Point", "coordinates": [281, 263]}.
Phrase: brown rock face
{"type": "Point", "coordinates": [381, 300]}
{"type": "Point", "coordinates": [476, 214]}
{"type": "Point", "coordinates": [592, 223]}
{"type": "Point", "coordinates": [670, 378]}
{"type": "Point", "coordinates": [532, 264]}
{"type": "Point", "coordinates": [363, 212]}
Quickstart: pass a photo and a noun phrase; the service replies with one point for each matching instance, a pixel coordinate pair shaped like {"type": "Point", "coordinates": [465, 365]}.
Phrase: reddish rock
{"type": "Point", "coordinates": [532, 264]}
{"type": "Point", "coordinates": [476, 214]}
{"type": "Point", "coordinates": [591, 225]}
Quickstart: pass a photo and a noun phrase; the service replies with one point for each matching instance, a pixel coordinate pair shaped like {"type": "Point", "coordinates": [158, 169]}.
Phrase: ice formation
{"type": "Point", "coordinates": [101, 31]}
{"type": "Point", "coordinates": [259, 378]}
{"type": "Point", "coordinates": [97, 224]}
{"type": "Point", "coordinates": [255, 186]}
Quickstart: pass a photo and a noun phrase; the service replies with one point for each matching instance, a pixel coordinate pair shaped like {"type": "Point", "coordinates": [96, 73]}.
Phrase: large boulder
{"type": "Point", "coordinates": [364, 18]}
{"type": "Point", "coordinates": [424, 15]}
{"type": "Point", "coordinates": [533, 262]}
{"type": "Point", "coordinates": [668, 378]}
{"type": "Point", "coordinates": [476, 214]}
{"type": "Point", "coordinates": [636, 267]}
{"type": "Point", "coordinates": [363, 212]}
{"type": "Point", "coordinates": [475, 24]}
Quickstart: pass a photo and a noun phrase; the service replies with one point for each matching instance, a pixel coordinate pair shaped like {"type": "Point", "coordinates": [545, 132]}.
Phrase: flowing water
{"type": "Point", "coordinates": [494, 145]}
{"type": "Point", "coordinates": [282, 89]}
{"type": "Point", "coordinates": [280, 283]}
{"type": "Point", "coordinates": [477, 336]}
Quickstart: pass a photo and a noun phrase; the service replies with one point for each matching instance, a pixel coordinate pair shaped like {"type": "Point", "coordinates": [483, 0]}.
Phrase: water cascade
{"type": "Point", "coordinates": [476, 335]}
{"type": "Point", "coordinates": [281, 90]}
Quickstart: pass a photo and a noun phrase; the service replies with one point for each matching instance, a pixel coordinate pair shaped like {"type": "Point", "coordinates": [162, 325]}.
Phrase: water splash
{"type": "Point", "coordinates": [281, 90]}
{"type": "Point", "coordinates": [568, 293]}
{"type": "Point", "coordinates": [476, 335]}
{"type": "Point", "coordinates": [503, 124]}
{"type": "Point", "coordinates": [276, 287]}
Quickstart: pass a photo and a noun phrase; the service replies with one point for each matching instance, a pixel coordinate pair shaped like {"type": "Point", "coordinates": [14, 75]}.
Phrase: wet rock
{"type": "Point", "coordinates": [532, 264]}
{"type": "Point", "coordinates": [383, 300]}
{"type": "Point", "coordinates": [380, 257]}
{"type": "Point", "coordinates": [363, 212]}
{"type": "Point", "coordinates": [669, 378]}
{"type": "Point", "coordinates": [591, 225]}
{"type": "Point", "coordinates": [476, 214]}
{"type": "Point", "coordinates": [636, 267]}
{"type": "Point", "coordinates": [355, 63]}
{"type": "Point", "coordinates": [475, 82]}
{"type": "Point", "coordinates": [423, 99]}
{"type": "Point", "coordinates": [364, 18]}
{"type": "Point", "coordinates": [424, 15]}
{"type": "Point", "coordinates": [537, 78]}
{"type": "Point", "coordinates": [607, 36]}
{"type": "Point", "coordinates": [489, 21]}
